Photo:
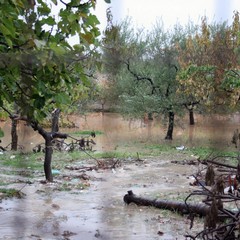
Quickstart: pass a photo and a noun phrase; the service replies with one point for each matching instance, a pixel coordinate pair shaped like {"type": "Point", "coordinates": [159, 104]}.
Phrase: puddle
{"type": "Point", "coordinates": [99, 212]}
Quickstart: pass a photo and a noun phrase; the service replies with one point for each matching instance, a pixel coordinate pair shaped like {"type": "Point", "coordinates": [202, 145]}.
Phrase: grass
{"type": "Point", "coordinates": [86, 132]}
{"type": "Point", "coordinates": [20, 160]}
{"type": "Point", "coordinates": [156, 149]}
{"type": "Point", "coordinates": [133, 150]}
{"type": "Point", "coordinates": [11, 192]}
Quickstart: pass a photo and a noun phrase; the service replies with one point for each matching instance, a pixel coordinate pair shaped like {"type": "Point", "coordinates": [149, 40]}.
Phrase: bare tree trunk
{"type": "Point", "coordinates": [48, 158]}
{"type": "Point", "coordinates": [14, 135]}
{"type": "Point", "coordinates": [191, 117]}
{"type": "Point", "coordinates": [169, 135]}
{"type": "Point", "coordinates": [14, 143]}
{"type": "Point", "coordinates": [55, 120]}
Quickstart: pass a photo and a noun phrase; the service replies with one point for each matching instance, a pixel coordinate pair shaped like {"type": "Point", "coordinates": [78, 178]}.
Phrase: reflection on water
{"type": "Point", "coordinates": [208, 130]}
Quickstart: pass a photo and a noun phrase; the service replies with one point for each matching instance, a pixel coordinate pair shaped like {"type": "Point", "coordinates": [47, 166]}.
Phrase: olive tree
{"type": "Point", "coordinates": [144, 70]}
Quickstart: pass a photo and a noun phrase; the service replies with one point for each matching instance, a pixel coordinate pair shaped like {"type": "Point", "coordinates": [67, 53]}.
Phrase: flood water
{"type": "Point", "coordinates": [211, 130]}
{"type": "Point", "coordinates": [98, 212]}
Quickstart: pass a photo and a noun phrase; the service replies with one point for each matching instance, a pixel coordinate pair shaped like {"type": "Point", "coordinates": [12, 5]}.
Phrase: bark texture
{"type": "Point", "coordinates": [169, 135]}
{"type": "Point", "coordinates": [181, 207]}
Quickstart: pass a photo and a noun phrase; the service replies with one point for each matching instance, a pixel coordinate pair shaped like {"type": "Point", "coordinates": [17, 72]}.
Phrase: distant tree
{"type": "Point", "coordinates": [144, 70]}
{"type": "Point", "coordinates": [209, 63]}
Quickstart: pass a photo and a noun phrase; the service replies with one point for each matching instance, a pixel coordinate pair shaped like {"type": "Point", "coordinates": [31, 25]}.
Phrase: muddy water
{"type": "Point", "coordinates": [214, 130]}
{"type": "Point", "coordinates": [98, 212]}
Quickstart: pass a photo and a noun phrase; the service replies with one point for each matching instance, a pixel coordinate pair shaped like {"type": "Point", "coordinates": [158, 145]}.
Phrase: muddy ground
{"type": "Point", "coordinates": [84, 204]}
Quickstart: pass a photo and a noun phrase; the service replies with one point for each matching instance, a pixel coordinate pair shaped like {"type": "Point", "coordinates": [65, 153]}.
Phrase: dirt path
{"type": "Point", "coordinates": [48, 211]}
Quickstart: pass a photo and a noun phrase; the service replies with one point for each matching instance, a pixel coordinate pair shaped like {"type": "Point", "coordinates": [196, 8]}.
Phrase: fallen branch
{"type": "Point", "coordinates": [219, 164]}
{"type": "Point", "coordinates": [181, 207]}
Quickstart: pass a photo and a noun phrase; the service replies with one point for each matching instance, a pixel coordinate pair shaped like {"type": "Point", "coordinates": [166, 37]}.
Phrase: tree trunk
{"type": "Point", "coordinates": [48, 158]}
{"type": "Point", "coordinates": [55, 120]}
{"type": "Point", "coordinates": [181, 207]}
{"type": "Point", "coordinates": [150, 116]}
{"type": "Point", "coordinates": [48, 136]}
{"type": "Point", "coordinates": [48, 145]}
{"type": "Point", "coordinates": [14, 135]}
{"type": "Point", "coordinates": [191, 117]}
{"type": "Point", "coordinates": [169, 135]}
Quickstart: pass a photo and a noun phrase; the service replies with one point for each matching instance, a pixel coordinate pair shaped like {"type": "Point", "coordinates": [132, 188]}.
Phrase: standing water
{"type": "Point", "coordinates": [208, 130]}
{"type": "Point", "coordinates": [48, 211]}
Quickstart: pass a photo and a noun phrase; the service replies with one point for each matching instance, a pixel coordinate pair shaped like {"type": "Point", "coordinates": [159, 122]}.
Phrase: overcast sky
{"type": "Point", "coordinates": [145, 13]}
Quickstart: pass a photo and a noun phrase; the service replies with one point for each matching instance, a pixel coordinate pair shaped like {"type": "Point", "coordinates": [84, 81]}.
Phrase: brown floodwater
{"type": "Point", "coordinates": [210, 130]}
{"type": "Point", "coordinates": [98, 212]}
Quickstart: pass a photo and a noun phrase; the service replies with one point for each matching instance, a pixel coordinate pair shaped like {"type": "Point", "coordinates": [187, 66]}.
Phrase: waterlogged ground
{"type": "Point", "coordinates": [86, 205]}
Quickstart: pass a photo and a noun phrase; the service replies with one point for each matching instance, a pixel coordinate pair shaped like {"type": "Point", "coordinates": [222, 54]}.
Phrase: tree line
{"type": "Point", "coordinates": [168, 72]}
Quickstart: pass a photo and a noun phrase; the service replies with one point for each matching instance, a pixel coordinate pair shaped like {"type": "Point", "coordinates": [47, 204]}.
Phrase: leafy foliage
{"type": "Point", "coordinates": [39, 69]}
{"type": "Point", "coordinates": [210, 65]}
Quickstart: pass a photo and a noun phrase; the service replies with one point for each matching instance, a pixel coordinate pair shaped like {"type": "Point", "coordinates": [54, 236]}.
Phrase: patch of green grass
{"type": "Point", "coordinates": [20, 160]}
{"type": "Point", "coordinates": [4, 183]}
{"type": "Point", "coordinates": [204, 152]}
{"type": "Point", "coordinates": [86, 132]}
{"type": "Point", "coordinates": [11, 192]}
{"type": "Point", "coordinates": [158, 148]}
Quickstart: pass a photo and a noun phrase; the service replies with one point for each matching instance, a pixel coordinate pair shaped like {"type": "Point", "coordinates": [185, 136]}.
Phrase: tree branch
{"type": "Point", "coordinates": [139, 78]}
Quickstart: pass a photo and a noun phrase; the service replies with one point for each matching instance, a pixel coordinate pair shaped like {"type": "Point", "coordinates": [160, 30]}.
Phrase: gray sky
{"type": "Point", "coordinates": [145, 13]}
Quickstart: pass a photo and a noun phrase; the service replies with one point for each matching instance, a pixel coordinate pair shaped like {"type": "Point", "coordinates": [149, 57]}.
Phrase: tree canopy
{"type": "Point", "coordinates": [38, 67]}
{"type": "Point", "coordinates": [210, 64]}
{"type": "Point", "coordinates": [40, 72]}
{"type": "Point", "coordinates": [166, 71]}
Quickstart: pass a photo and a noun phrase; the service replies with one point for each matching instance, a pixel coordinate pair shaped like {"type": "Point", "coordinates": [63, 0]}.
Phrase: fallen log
{"type": "Point", "coordinates": [180, 207]}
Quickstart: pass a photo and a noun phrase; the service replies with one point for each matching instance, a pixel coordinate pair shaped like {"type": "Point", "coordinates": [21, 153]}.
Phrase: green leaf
{"type": "Point", "coordinates": [59, 50]}
{"type": "Point", "coordinates": [9, 42]}
{"type": "Point", "coordinates": [43, 9]}
{"type": "Point", "coordinates": [39, 102]}
{"type": "Point", "coordinates": [1, 133]}
{"type": "Point", "coordinates": [49, 21]}
{"type": "Point", "coordinates": [4, 30]}
{"type": "Point", "coordinates": [10, 27]}
{"type": "Point", "coordinates": [92, 20]}
{"type": "Point", "coordinates": [72, 17]}
{"type": "Point", "coordinates": [62, 98]}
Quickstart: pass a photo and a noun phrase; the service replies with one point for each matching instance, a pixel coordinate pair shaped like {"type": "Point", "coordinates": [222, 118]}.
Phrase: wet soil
{"type": "Point", "coordinates": [91, 207]}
